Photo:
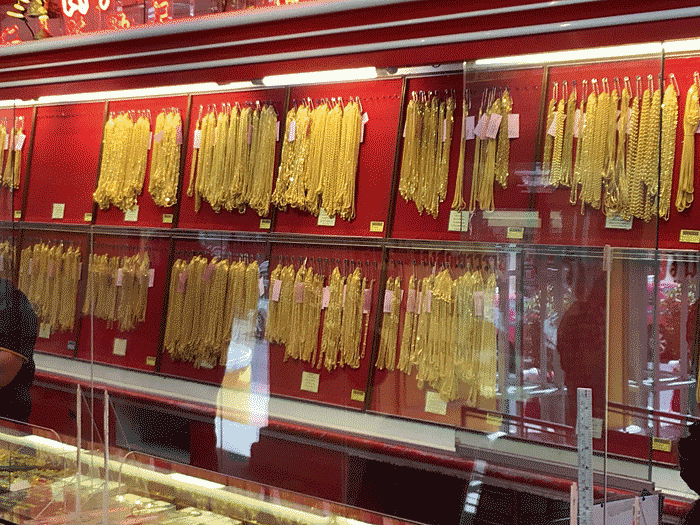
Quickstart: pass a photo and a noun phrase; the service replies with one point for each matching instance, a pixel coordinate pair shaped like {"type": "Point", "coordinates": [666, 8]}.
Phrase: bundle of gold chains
{"type": "Point", "coordinates": [8, 256]}
{"type": "Point", "coordinates": [211, 303]}
{"type": "Point", "coordinates": [320, 155]}
{"type": "Point", "coordinates": [491, 149]}
{"type": "Point", "coordinates": [117, 289]}
{"type": "Point", "coordinates": [669, 123]}
{"type": "Point", "coordinates": [691, 118]}
{"type": "Point", "coordinates": [448, 332]}
{"type": "Point", "coordinates": [233, 158]}
{"type": "Point", "coordinates": [302, 309]}
{"type": "Point", "coordinates": [12, 142]}
{"type": "Point", "coordinates": [165, 159]}
{"type": "Point", "coordinates": [125, 143]}
{"type": "Point", "coordinates": [425, 163]}
{"type": "Point", "coordinates": [48, 276]}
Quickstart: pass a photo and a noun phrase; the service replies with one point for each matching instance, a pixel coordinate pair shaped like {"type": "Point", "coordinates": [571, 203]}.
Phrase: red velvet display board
{"type": "Point", "coordinates": [210, 248]}
{"type": "Point", "coordinates": [381, 100]}
{"type": "Point", "coordinates": [224, 220]}
{"type": "Point", "coordinates": [142, 342]}
{"type": "Point", "coordinates": [397, 393]}
{"type": "Point", "coordinates": [589, 229]}
{"type": "Point", "coordinates": [526, 90]}
{"type": "Point", "coordinates": [149, 214]}
{"type": "Point", "coordinates": [689, 219]}
{"type": "Point", "coordinates": [61, 343]}
{"type": "Point", "coordinates": [11, 200]}
{"type": "Point", "coordinates": [334, 387]}
{"type": "Point", "coordinates": [65, 160]}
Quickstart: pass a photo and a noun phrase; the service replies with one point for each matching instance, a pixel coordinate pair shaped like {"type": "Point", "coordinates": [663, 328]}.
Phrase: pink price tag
{"type": "Point", "coordinates": [411, 301]}
{"type": "Point", "coordinates": [514, 126]}
{"type": "Point", "coordinates": [178, 135]}
{"type": "Point", "coordinates": [494, 126]}
{"type": "Point", "coordinates": [325, 297]}
{"type": "Point", "coordinates": [345, 291]}
{"type": "Point", "coordinates": [158, 137]}
{"type": "Point", "coordinates": [444, 129]}
{"type": "Point", "coordinates": [120, 276]}
{"type": "Point", "coordinates": [388, 298]}
{"type": "Point", "coordinates": [276, 289]}
{"type": "Point", "coordinates": [578, 123]}
{"type": "Point", "coordinates": [367, 300]}
{"type": "Point", "coordinates": [207, 272]}
{"type": "Point", "coordinates": [292, 131]}
{"type": "Point", "coordinates": [278, 131]}
{"type": "Point", "coordinates": [261, 287]}
{"type": "Point", "coordinates": [427, 301]}
{"type": "Point", "coordinates": [299, 292]}
{"type": "Point", "coordinates": [182, 280]}
{"type": "Point", "coordinates": [197, 139]}
{"type": "Point", "coordinates": [151, 277]}
{"type": "Point", "coordinates": [478, 304]}
{"type": "Point", "coordinates": [481, 126]}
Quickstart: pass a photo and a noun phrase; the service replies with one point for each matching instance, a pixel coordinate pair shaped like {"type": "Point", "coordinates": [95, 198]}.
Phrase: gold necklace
{"type": "Point", "coordinates": [558, 143]}
{"type": "Point", "coordinates": [548, 139]}
{"type": "Point", "coordinates": [686, 178]}
{"type": "Point", "coordinates": [668, 147]}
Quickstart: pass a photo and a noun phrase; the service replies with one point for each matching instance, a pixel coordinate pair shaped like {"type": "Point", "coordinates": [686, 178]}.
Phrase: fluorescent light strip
{"type": "Point", "coordinates": [575, 55]}
{"type": "Point", "coordinates": [184, 478]}
{"type": "Point", "coordinates": [336, 75]}
{"type": "Point", "coordinates": [678, 46]}
{"type": "Point", "coordinates": [50, 443]}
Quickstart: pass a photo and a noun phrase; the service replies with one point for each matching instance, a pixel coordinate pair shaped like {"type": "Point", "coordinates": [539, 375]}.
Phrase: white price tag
{"type": "Point", "coordinates": [197, 139]}
{"type": "Point", "coordinates": [132, 215]}
{"type": "Point", "coordinates": [151, 277]}
{"type": "Point", "coordinates": [411, 301]}
{"type": "Point", "coordinates": [388, 298]}
{"type": "Point", "coordinates": [276, 289]}
{"type": "Point", "coordinates": [325, 297]}
{"type": "Point", "coordinates": [58, 210]}
{"type": "Point", "coordinates": [120, 276]}
{"type": "Point", "coordinates": [481, 126]}
{"type": "Point", "coordinates": [444, 130]}
{"type": "Point", "coordinates": [261, 287]}
{"type": "Point", "coordinates": [514, 126]}
{"type": "Point", "coordinates": [367, 300]}
{"type": "Point", "coordinates": [150, 140]}
{"type": "Point", "coordinates": [44, 330]}
{"type": "Point", "coordinates": [434, 403]}
{"type": "Point", "coordinates": [427, 301]}
{"type": "Point", "coordinates": [494, 125]}
{"type": "Point", "coordinates": [119, 347]}
{"type": "Point", "coordinates": [278, 131]}
{"type": "Point", "coordinates": [324, 219]}
{"type": "Point", "coordinates": [309, 382]}
{"type": "Point", "coordinates": [292, 131]}
{"type": "Point", "coordinates": [553, 126]}
{"type": "Point", "coordinates": [365, 120]}
{"type": "Point", "coordinates": [468, 127]}
{"type": "Point", "coordinates": [19, 141]}
{"type": "Point", "coordinates": [577, 122]}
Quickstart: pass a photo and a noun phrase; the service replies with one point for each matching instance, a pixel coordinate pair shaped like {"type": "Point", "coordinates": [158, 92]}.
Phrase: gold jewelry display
{"type": "Point", "coordinates": [13, 165]}
{"type": "Point", "coordinates": [632, 151]}
{"type": "Point", "coordinates": [503, 154]}
{"type": "Point", "coordinates": [691, 117]}
{"type": "Point", "coordinates": [125, 144]}
{"type": "Point", "coordinates": [426, 156]}
{"type": "Point", "coordinates": [458, 203]}
{"type": "Point", "coordinates": [165, 159]}
{"type": "Point", "coordinates": [8, 255]}
{"type": "Point", "coordinates": [566, 170]}
{"type": "Point", "coordinates": [651, 172]}
{"type": "Point", "coordinates": [548, 138]}
{"type": "Point", "coordinates": [320, 155]}
{"type": "Point", "coordinates": [558, 144]}
{"type": "Point", "coordinates": [48, 276]}
{"type": "Point", "coordinates": [386, 358]}
{"type": "Point", "coordinates": [212, 303]}
{"type": "Point", "coordinates": [669, 123]}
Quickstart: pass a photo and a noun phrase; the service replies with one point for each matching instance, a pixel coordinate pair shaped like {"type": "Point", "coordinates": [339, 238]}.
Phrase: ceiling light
{"type": "Point", "coordinates": [575, 55]}
{"type": "Point", "coordinates": [337, 75]}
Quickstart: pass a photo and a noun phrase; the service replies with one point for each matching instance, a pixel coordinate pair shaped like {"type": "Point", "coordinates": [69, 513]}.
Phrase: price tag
{"type": "Point", "coordinates": [434, 403]}
{"type": "Point", "coordinates": [376, 226]}
{"type": "Point", "coordinates": [494, 125]}
{"type": "Point", "coordinates": [208, 271]}
{"type": "Point", "coordinates": [365, 120]}
{"type": "Point", "coordinates": [325, 297]}
{"type": "Point", "coordinates": [577, 122]}
{"type": "Point", "coordinates": [87, 217]}
{"type": "Point", "coordinates": [70, 345]}
{"type": "Point", "coordinates": [58, 210]}
{"type": "Point", "coordinates": [298, 293]}
{"type": "Point", "coordinates": [158, 137]}
{"type": "Point", "coordinates": [276, 289]}
{"type": "Point", "coordinates": [357, 395]}
{"type": "Point", "coordinates": [494, 420]}
{"type": "Point", "coordinates": [167, 218]}
{"type": "Point", "coordinates": [151, 360]}
{"type": "Point", "coordinates": [19, 141]}
{"type": "Point", "coordinates": [278, 131]}
{"type": "Point", "coordinates": [411, 301]}
{"type": "Point", "coordinates": [261, 287]}
{"type": "Point", "coordinates": [388, 298]}
{"type": "Point", "coordinates": [197, 139]}
{"type": "Point", "coordinates": [478, 304]}
{"type": "Point", "coordinates": [618, 223]}
{"type": "Point", "coordinates": [662, 445]}
{"type": "Point", "coordinates": [515, 232]}
{"type": "Point", "coordinates": [20, 484]}
{"type": "Point", "coordinates": [150, 140]}
{"type": "Point", "coordinates": [178, 135]}
{"type": "Point", "coordinates": [182, 281]}
{"type": "Point", "coordinates": [151, 277]}
{"type": "Point", "coordinates": [481, 126]}
{"type": "Point", "coordinates": [513, 126]}
{"type": "Point", "coordinates": [427, 301]}
{"type": "Point", "coordinates": [44, 330]}
{"type": "Point", "coordinates": [468, 127]}
{"type": "Point", "coordinates": [367, 300]}
{"type": "Point", "coordinates": [444, 129]}
{"type": "Point", "coordinates": [120, 276]}
{"type": "Point", "coordinates": [309, 382]}
{"type": "Point", "coordinates": [690, 236]}
{"type": "Point", "coordinates": [18, 214]}
{"type": "Point", "coordinates": [324, 219]}
{"type": "Point", "coordinates": [119, 346]}
{"type": "Point", "coordinates": [132, 215]}
{"type": "Point", "coordinates": [455, 222]}
{"type": "Point", "coordinates": [265, 224]}
{"type": "Point", "coordinates": [553, 126]}
{"type": "Point", "coordinates": [292, 131]}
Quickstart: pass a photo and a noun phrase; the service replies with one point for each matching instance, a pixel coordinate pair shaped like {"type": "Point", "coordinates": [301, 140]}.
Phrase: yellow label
{"type": "Point", "coordinates": [132, 215]}
{"type": "Point", "coordinates": [167, 218]}
{"type": "Point", "coordinates": [434, 403]}
{"type": "Point", "coordinates": [58, 210]}
{"type": "Point", "coordinates": [87, 217]}
{"type": "Point", "coordinates": [494, 420]}
{"type": "Point", "coordinates": [663, 445]}
{"type": "Point", "coordinates": [376, 226]}
{"type": "Point", "coordinates": [44, 330]}
{"type": "Point", "coordinates": [515, 232]}
{"type": "Point", "coordinates": [692, 236]}
{"type": "Point", "coordinates": [309, 382]}
{"type": "Point", "coordinates": [324, 219]}
{"type": "Point", "coordinates": [119, 347]}
{"type": "Point", "coordinates": [357, 395]}
{"type": "Point", "coordinates": [18, 214]}
{"type": "Point", "coordinates": [151, 360]}
{"type": "Point", "coordinates": [265, 224]}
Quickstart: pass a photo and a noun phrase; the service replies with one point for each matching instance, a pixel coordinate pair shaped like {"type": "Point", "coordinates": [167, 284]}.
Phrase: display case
{"type": "Point", "coordinates": [340, 287]}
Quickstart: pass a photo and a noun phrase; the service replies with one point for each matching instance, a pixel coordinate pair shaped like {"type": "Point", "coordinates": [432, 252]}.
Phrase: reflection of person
{"type": "Point", "coordinates": [18, 333]}
{"type": "Point", "coordinates": [581, 347]}
{"type": "Point", "coordinates": [688, 458]}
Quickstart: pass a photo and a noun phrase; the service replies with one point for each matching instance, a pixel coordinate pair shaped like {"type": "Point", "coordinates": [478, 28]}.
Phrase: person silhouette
{"type": "Point", "coordinates": [688, 459]}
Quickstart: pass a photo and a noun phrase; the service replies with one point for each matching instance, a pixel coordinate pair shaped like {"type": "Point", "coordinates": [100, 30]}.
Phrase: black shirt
{"type": "Point", "coordinates": [18, 333]}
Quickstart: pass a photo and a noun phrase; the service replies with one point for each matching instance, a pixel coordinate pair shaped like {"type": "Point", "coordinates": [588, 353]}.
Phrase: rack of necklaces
{"type": "Point", "coordinates": [614, 147]}
{"type": "Point", "coordinates": [11, 155]}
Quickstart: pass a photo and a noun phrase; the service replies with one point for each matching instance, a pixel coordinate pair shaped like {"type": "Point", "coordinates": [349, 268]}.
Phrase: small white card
{"type": "Point", "coordinates": [468, 127]}
{"type": "Point", "coordinates": [494, 126]}
{"type": "Point", "coordinates": [309, 382]}
{"type": "Point", "coordinates": [119, 346]}
{"type": "Point", "coordinates": [58, 210]}
{"type": "Point", "coordinates": [324, 219]}
{"type": "Point", "coordinates": [44, 330]}
{"type": "Point", "coordinates": [514, 126]}
{"type": "Point", "coordinates": [151, 277]}
{"type": "Point", "coordinates": [132, 215]}
{"type": "Point", "coordinates": [553, 126]}
{"type": "Point", "coordinates": [434, 403]}
{"type": "Point", "coordinates": [197, 139]}
{"type": "Point", "coordinates": [19, 141]}
{"type": "Point", "coordinates": [276, 289]}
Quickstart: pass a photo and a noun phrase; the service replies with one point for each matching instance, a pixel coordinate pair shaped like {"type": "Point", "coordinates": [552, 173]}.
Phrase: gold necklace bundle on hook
{"type": "Point", "coordinates": [691, 117]}
{"type": "Point", "coordinates": [8, 256]}
{"type": "Point", "coordinates": [165, 160]}
{"type": "Point", "coordinates": [426, 156]}
{"type": "Point", "coordinates": [15, 142]}
{"type": "Point", "coordinates": [651, 168]}
{"type": "Point", "coordinates": [458, 203]}
{"type": "Point", "coordinates": [125, 144]}
{"type": "Point", "coordinates": [669, 123]}
{"type": "Point", "coordinates": [49, 275]}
